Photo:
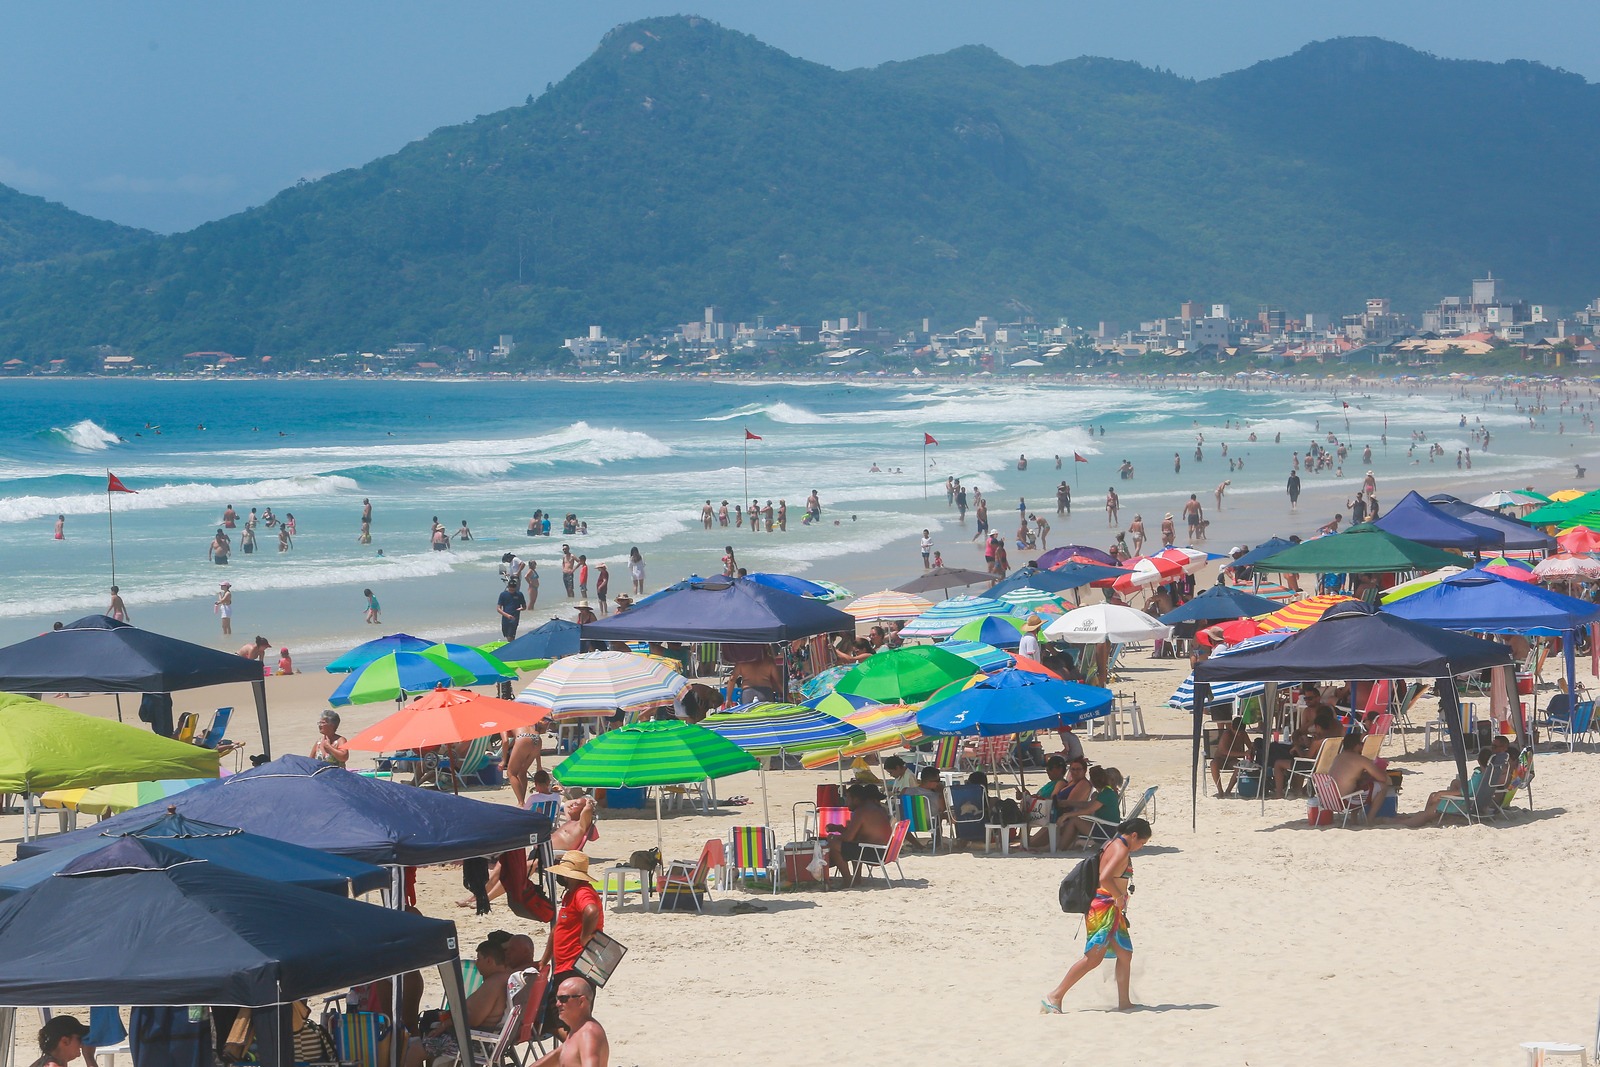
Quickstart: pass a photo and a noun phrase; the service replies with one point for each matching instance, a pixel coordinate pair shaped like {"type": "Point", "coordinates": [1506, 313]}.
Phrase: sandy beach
{"type": "Point", "coordinates": [1259, 939]}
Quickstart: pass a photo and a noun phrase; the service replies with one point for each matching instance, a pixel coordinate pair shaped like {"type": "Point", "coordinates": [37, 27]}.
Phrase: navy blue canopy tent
{"type": "Point", "coordinates": [722, 610]}
{"type": "Point", "coordinates": [1517, 536]}
{"type": "Point", "coordinates": [554, 639]}
{"type": "Point", "coordinates": [1218, 603]}
{"type": "Point", "coordinates": [1417, 520]}
{"type": "Point", "coordinates": [99, 654]}
{"type": "Point", "coordinates": [1010, 701]}
{"type": "Point", "coordinates": [321, 806]}
{"type": "Point", "coordinates": [138, 923]}
{"type": "Point", "coordinates": [1063, 578]}
{"type": "Point", "coordinates": [226, 846]}
{"type": "Point", "coordinates": [1354, 641]}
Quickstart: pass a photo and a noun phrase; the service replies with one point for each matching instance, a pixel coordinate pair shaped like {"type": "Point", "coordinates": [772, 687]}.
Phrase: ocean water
{"type": "Point", "coordinates": [636, 459]}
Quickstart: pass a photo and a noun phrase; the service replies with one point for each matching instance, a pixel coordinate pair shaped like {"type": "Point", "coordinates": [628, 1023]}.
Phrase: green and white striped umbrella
{"type": "Point", "coordinates": [1029, 599]}
{"type": "Point", "coordinates": [945, 617]}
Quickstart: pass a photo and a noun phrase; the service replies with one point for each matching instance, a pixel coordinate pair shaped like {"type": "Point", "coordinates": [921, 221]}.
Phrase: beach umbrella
{"type": "Point", "coordinates": [1001, 631]}
{"type": "Point", "coordinates": [982, 656]}
{"type": "Point", "coordinates": [395, 675]}
{"type": "Point", "coordinates": [1569, 567]}
{"type": "Point", "coordinates": [771, 729]}
{"type": "Point", "coordinates": [1299, 614]}
{"type": "Point", "coordinates": [1508, 498]}
{"type": "Point", "coordinates": [45, 747]}
{"type": "Point", "coordinates": [1515, 569]}
{"type": "Point", "coordinates": [446, 717]}
{"type": "Point", "coordinates": [119, 797]}
{"type": "Point", "coordinates": [1145, 572]}
{"type": "Point", "coordinates": [485, 669]}
{"type": "Point", "coordinates": [1009, 702]}
{"type": "Point", "coordinates": [651, 754]}
{"type": "Point", "coordinates": [368, 651]}
{"type": "Point", "coordinates": [226, 846]}
{"type": "Point", "coordinates": [494, 647]}
{"type": "Point", "coordinates": [1190, 559]}
{"type": "Point", "coordinates": [788, 583]}
{"type": "Point", "coordinates": [822, 683]}
{"type": "Point", "coordinates": [945, 617]}
{"type": "Point", "coordinates": [1228, 633]}
{"type": "Point", "coordinates": [1578, 540]}
{"type": "Point", "coordinates": [904, 675]}
{"type": "Point", "coordinates": [1418, 584]}
{"type": "Point", "coordinates": [835, 591]}
{"type": "Point", "coordinates": [884, 726]}
{"type": "Point", "coordinates": [1226, 692]}
{"type": "Point", "coordinates": [1055, 557]}
{"type": "Point", "coordinates": [1563, 496]}
{"type": "Point", "coordinates": [838, 705]}
{"type": "Point", "coordinates": [889, 604]}
{"type": "Point", "coordinates": [550, 640]}
{"type": "Point", "coordinates": [1217, 603]}
{"type": "Point", "coordinates": [599, 683]}
{"type": "Point", "coordinates": [945, 579]}
{"type": "Point", "coordinates": [1116, 623]}
{"type": "Point", "coordinates": [1028, 599]}
{"type": "Point", "coordinates": [1023, 663]}
{"type": "Point", "coordinates": [1065, 577]}
{"type": "Point", "coordinates": [1563, 511]}
{"type": "Point", "coordinates": [1270, 547]}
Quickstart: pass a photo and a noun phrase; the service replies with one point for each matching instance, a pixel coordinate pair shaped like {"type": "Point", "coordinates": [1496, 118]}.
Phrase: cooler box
{"type": "Point", "coordinates": [1318, 816]}
{"type": "Point", "coordinates": [490, 774]}
{"type": "Point", "coordinates": [1525, 684]}
{"type": "Point", "coordinates": [1389, 808]}
{"type": "Point", "coordinates": [796, 866]}
{"type": "Point", "coordinates": [624, 798]}
{"type": "Point", "coordinates": [1249, 784]}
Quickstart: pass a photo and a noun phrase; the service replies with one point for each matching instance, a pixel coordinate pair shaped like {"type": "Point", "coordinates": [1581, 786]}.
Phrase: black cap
{"type": "Point", "coordinates": [59, 1027]}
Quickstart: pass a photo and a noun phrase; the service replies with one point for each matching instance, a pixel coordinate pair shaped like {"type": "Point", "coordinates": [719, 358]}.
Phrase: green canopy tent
{"type": "Point", "coordinates": [1363, 549]}
{"type": "Point", "coordinates": [46, 747]}
{"type": "Point", "coordinates": [653, 753]}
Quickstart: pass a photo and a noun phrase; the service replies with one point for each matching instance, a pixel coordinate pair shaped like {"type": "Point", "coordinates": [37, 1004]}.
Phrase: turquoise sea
{"type": "Point", "coordinates": [636, 459]}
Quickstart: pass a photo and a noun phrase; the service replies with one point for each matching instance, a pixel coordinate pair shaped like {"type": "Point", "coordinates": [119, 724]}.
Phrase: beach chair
{"type": "Point", "coordinates": [1372, 744]}
{"type": "Point", "coordinates": [916, 808]}
{"type": "Point", "coordinates": [880, 856]}
{"type": "Point", "coordinates": [473, 762]}
{"type": "Point", "coordinates": [963, 810]}
{"type": "Point", "coordinates": [1303, 767]}
{"type": "Point", "coordinates": [1568, 720]}
{"type": "Point", "coordinates": [1102, 830]}
{"type": "Point", "coordinates": [995, 754]}
{"type": "Point", "coordinates": [1343, 805]}
{"type": "Point", "coordinates": [186, 727]}
{"type": "Point", "coordinates": [695, 879]}
{"type": "Point", "coordinates": [752, 852]}
{"type": "Point", "coordinates": [822, 817]}
{"type": "Point", "coordinates": [499, 1047]}
{"type": "Point", "coordinates": [1483, 801]}
{"type": "Point", "coordinates": [1521, 778]}
{"type": "Point", "coordinates": [947, 754]}
{"type": "Point", "coordinates": [358, 1037]}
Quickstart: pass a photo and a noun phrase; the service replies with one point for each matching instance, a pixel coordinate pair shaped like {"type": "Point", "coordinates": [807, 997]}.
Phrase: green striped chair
{"type": "Point", "coordinates": [917, 809]}
{"type": "Point", "coordinates": [752, 853]}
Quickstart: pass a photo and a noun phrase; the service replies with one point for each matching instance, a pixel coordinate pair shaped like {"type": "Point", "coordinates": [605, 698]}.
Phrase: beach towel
{"type": "Point", "coordinates": [524, 895]}
{"type": "Point", "coordinates": [1106, 926]}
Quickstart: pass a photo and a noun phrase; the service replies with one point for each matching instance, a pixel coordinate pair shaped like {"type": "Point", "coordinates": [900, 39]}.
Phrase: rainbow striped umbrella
{"type": "Point", "coordinates": [598, 683]}
{"type": "Point", "coordinates": [1029, 599]}
{"type": "Point", "coordinates": [945, 617]}
{"type": "Point", "coordinates": [888, 604]}
{"type": "Point", "coordinates": [1299, 614]}
{"type": "Point", "coordinates": [113, 799]}
{"type": "Point", "coordinates": [766, 729]}
{"type": "Point", "coordinates": [884, 726]}
{"type": "Point", "coordinates": [982, 656]}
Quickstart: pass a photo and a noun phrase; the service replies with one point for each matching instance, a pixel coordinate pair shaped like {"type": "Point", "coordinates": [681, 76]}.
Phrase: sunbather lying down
{"type": "Point", "coordinates": [577, 830]}
{"type": "Point", "coordinates": [1452, 801]}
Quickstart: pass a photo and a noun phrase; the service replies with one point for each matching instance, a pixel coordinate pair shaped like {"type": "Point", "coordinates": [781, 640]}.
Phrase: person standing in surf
{"type": "Point", "coordinates": [636, 569]}
{"type": "Point", "coordinates": [61, 528]}
{"type": "Point", "coordinates": [117, 610]}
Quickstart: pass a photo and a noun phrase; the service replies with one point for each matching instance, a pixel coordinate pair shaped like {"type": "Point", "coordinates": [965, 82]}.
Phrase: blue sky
{"type": "Point", "coordinates": [169, 114]}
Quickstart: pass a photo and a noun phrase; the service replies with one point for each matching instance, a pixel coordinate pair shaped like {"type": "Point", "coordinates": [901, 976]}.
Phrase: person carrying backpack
{"type": "Point", "coordinates": [1104, 914]}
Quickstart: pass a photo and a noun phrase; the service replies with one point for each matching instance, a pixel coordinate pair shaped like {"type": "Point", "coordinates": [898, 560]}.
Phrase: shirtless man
{"type": "Point", "coordinates": [574, 832]}
{"type": "Point", "coordinates": [869, 825]}
{"type": "Point", "coordinates": [1353, 771]}
{"type": "Point", "coordinates": [569, 563]}
{"type": "Point", "coordinates": [1192, 514]}
{"type": "Point", "coordinates": [586, 1044]}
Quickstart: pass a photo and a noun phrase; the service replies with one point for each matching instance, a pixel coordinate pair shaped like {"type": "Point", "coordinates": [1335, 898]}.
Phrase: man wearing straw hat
{"type": "Point", "coordinates": [579, 914]}
{"type": "Point", "coordinates": [1028, 645]}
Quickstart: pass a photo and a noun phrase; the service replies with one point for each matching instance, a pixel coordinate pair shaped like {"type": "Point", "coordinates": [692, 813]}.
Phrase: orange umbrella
{"type": "Point", "coordinates": [1578, 540]}
{"type": "Point", "coordinates": [446, 717]}
{"type": "Point", "coordinates": [1301, 613]}
{"type": "Point", "coordinates": [1023, 663]}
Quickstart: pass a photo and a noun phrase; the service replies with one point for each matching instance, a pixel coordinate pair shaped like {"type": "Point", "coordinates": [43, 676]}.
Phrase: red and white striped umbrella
{"type": "Point", "coordinates": [1190, 559]}
{"type": "Point", "coordinates": [1146, 571]}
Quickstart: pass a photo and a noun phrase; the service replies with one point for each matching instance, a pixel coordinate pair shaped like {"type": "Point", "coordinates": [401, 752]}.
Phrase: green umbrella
{"type": "Point", "coordinates": [1363, 549]}
{"type": "Point", "coordinates": [494, 647]}
{"type": "Point", "coordinates": [393, 676]}
{"type": "Point", "coordinates": [1564, 511]}
{"type": "Point", "coordinates": [487, 669]}
{"type": "Point", "coordinates": [653, 753]}
{"type": "Point", "coordinates": [45, 747]}
{"type": "Point", "coordinates": [904, 675]}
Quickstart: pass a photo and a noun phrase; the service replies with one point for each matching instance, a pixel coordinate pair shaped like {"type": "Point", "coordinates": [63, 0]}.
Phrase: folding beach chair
{"type": "Point", "coordinates": [880, 856]}
{"type": "Point", "coordinates": [964, 810]}
{"type": "Point", "coordinates": [1565, 719]}
{"type": "Point", "coordinates": [186, 728]}
{"type": "Point", "coordinates": [1343, 805]}
{"type": "Point", "coordinates": [916, 808]}
{"type": "Point", "coordinates": [525, 999]}
{"type": "Point", "coordinates": [695, 879]}
{"type": "Point", "coordinates": [1302, 767]}
{"type": "Point", "coordinates": [357, 1034]}
{"type": "Point", "coordinates": [824, 816]}
{"type": "Point", "coordinates": [752, 852]}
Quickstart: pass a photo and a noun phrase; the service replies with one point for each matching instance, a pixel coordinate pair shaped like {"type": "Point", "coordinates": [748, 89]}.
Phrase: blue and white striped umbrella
{"type": "Point", "coordinates": [768, 729]}
{"type": "Point", "coordinates": [1226, 692]}
{"type": "Point", "coordinates": [985, 657]}
{"type": "Point", "coordinates": [945, 617]}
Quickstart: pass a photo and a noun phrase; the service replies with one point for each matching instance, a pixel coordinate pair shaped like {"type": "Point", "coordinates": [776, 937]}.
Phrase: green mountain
{"type": "Point", "coordinates": [34, 230]}
{"type": "Point", "coordinates": [684, 164]}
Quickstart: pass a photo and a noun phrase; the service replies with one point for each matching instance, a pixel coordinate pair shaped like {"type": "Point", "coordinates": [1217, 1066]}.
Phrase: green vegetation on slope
{"type": "Point", "coordinates": [34, 231]}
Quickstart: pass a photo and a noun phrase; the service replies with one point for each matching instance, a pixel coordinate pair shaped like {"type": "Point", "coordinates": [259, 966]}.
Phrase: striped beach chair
{"type": "Point", "coordinates": [917, 810]}
{"type": "Point", "coordinates": [752, 853]}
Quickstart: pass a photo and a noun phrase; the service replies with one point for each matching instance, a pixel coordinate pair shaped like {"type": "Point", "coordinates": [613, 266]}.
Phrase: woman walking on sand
{"type": "Point", "coordinates": [1107, 919]}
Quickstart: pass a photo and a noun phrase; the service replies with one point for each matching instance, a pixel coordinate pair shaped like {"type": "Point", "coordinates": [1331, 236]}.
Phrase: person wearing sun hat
{"type": "Point", "coordinates": [60, 1041]}
{"type": "Point", "coordinates": [1029, 644]}
{"type": "Point", "coordinates": [579, 915]}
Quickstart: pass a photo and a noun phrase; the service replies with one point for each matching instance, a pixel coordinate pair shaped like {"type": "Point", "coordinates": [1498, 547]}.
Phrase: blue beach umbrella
{"type": "Point", "coordinates": [1001, 631]}
{"type": "Point", "coordinates": [485, 668]}
{"type": "Point", "coordinates": [368, 651]}
{"type": "Point", "coordinates": [1221, 602]}
{"type": "Point", "coordinates": [982, 656]}
{"type": "Point", "coordinates": [1011, 701]}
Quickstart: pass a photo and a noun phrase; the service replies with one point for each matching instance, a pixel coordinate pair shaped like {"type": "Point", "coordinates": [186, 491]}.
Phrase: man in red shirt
{"type": "Point", "coordinates": [579, 915]}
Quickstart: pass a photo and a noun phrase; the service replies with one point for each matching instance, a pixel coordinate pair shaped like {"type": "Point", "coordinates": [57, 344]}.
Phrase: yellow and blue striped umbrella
{"type": "Point", "coordinates": [598, 683]}
{"type": "Point", "coordinates": [885, 726]}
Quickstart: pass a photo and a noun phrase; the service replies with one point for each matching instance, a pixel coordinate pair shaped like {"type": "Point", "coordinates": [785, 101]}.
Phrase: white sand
{"type": "Point", "coordinates": [1260, 940]}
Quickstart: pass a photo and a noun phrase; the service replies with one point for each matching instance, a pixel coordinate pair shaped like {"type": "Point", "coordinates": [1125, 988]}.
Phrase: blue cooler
{"type": "Point", "coordinates": [1249, 784]}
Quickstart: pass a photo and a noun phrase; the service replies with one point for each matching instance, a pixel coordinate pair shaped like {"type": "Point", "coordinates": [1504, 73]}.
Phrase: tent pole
{"type": "Point", "coordinates": [1450, 704]}
{"type": "Point", "coordinates": [396, 895]}
{"type": "Point", "coordinates": [118, 697]}
{"type": "Point", "coordinates": [658, 818]}
{"type": "Point", "coordinates": [1269, 700]}
{"type": "Point", "coordinates": [259, 686]}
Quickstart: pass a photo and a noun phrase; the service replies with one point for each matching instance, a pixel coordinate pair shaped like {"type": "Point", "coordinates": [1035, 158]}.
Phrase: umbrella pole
{"type": "Point", "coordinates": [766, 815]}
{"type": "Point", "coordinates": [658, 818]}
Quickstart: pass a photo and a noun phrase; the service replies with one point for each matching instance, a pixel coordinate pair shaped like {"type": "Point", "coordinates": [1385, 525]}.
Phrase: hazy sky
{"type": "Point", "coordinates": [169, 114]}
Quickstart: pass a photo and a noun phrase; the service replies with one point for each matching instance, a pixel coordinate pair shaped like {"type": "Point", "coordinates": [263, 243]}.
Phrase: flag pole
{"type": "Point", "coordinates": [924, 466]}
{"type": "Point", "coordinates": [111, 529]}
{"type": "Point", "coordinates": [747, 466]}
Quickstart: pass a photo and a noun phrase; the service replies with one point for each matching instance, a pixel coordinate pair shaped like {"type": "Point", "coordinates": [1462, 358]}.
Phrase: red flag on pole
{"type": "Point", "coordinates": [114, 485]}
{"type": "Point", "coordinates": [1346, 403]}
{"type": "Point", "coordinates": [1078, 459]}
{"type": "Point", "coordinates": [748, 436]}
{"type": "Point", "coordinates": [927, 439]}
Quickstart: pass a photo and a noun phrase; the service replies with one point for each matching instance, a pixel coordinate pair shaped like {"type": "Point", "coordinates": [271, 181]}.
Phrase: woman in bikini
{"type": "Point", "coordinates": [1107, 920]}
{"type": "Point", "coordinates": [524, 750]}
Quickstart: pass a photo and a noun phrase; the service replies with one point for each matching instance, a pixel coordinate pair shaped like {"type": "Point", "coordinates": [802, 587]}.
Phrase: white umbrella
{"type": "Point", "coordinates": [599, 683]}
{"type": "Point", "coordinates": [1507, 498]}
{"type": "Point", "coordinates": [1582, 568]}
{"type": "Point", "coordinates": [1117, 623]}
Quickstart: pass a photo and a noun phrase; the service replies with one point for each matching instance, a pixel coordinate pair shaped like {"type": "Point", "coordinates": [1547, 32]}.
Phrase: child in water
{"type": "Point", "coordinates": [372, 605]}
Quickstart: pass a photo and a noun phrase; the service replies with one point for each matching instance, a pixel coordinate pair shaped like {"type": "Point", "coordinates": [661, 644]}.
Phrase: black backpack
{"type": "Point", "coordinates": [1080, 885]}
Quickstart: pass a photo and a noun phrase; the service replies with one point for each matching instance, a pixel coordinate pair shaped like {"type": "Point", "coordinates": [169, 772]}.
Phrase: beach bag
{"type": "Point", "coordinates": [1079, 886]}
